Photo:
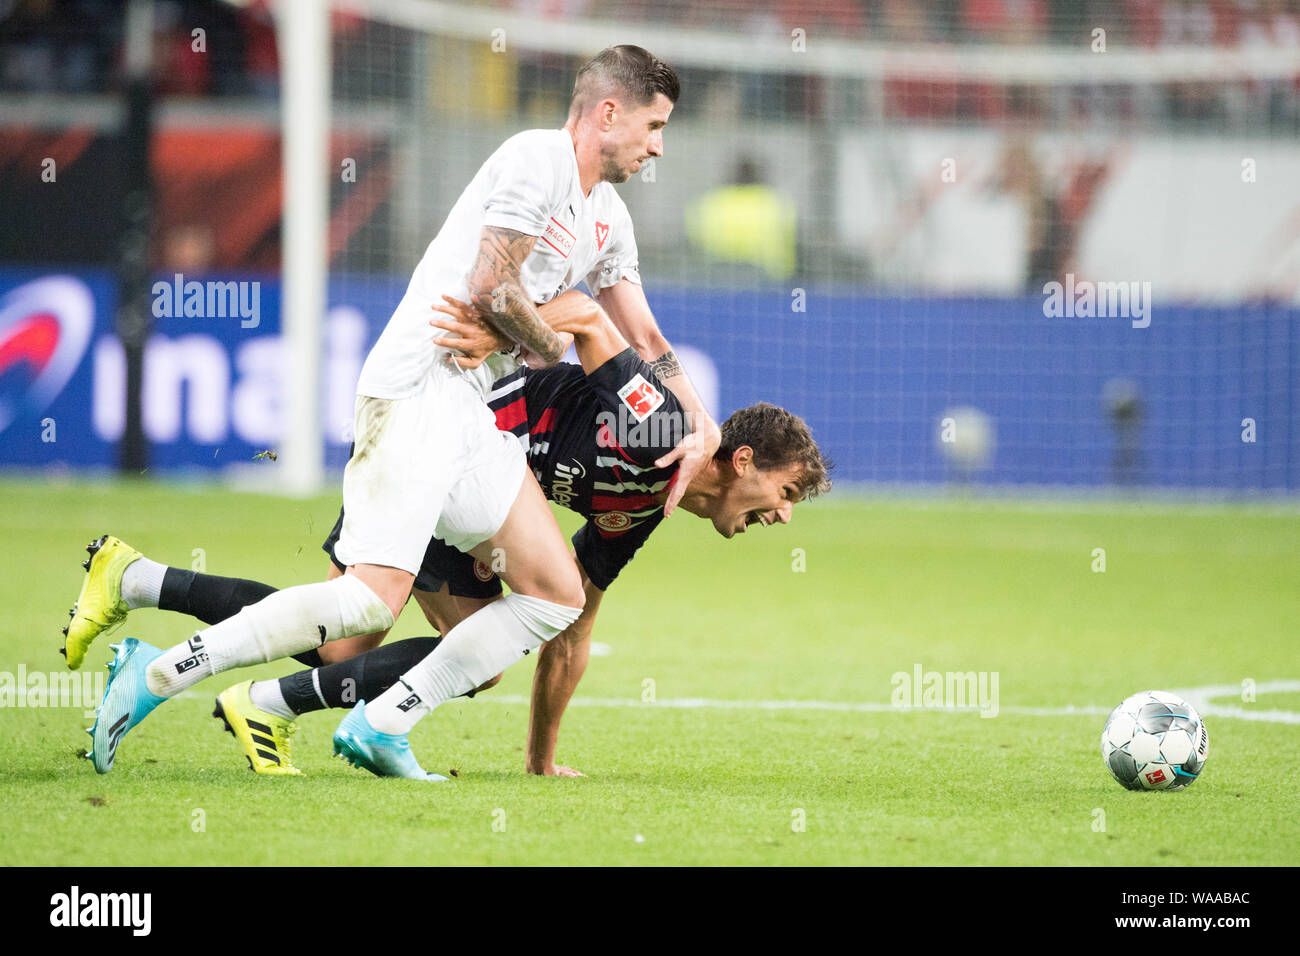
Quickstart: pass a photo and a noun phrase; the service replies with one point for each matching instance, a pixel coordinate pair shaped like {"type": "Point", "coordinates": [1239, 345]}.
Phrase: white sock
{"type": "Point", "coordinates": [479, 647]}
{"type": "Point", "coordinates": [142, 583]}
{"type": "Point", "coordinates": [287, 622]}
{"type": "Point", "coordinates": [266, 696]}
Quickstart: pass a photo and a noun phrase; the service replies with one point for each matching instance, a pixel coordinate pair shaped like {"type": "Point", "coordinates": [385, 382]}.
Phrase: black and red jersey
{"type": "Point", "coordinates": [592, 441]}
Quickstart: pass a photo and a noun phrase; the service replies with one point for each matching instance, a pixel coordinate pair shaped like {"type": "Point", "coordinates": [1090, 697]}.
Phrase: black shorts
{"type": "Point", "coordinates": [462, 573]}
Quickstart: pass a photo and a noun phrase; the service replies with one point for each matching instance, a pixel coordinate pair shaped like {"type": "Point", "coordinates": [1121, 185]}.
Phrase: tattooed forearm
{"type": "Point", "coordinates": [666, 366]}
{"type": "Point", "coordinates": [497, 293]}
{"type": "Point", "coordinates": [513, 313]}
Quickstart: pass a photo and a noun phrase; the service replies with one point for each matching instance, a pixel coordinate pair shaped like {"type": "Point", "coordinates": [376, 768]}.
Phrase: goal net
{"type": "Point", "coordinates": [1005, 242]}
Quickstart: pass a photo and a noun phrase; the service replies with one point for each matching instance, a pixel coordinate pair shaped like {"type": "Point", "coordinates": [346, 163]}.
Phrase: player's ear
{"type": "Point", "coordinates": [608, 109]}
{"type": "Point", "coordinates": [742, 459]}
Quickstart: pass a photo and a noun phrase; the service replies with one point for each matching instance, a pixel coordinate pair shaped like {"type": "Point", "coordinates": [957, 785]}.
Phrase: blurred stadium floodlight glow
{"type": "Point", "coordinates": [304, 40]}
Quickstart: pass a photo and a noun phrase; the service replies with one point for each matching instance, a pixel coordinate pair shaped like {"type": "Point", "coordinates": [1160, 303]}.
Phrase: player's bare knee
{"type": "Point", "coordinates": [567, 594]}
{"type": "Point", "coordinates": [556, 581]}
{"type": "Point", "coordinates": [565, 587]}
{"type": "Point", "coordinates": [390, 585]}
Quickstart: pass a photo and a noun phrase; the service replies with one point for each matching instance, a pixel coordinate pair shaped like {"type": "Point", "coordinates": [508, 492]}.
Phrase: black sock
{"type": "Point", "coordinates": [208, 597]}
{"type": "Point", "coordinates": [364, 677]}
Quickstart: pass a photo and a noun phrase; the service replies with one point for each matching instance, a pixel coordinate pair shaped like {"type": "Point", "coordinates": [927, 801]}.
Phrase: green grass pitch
{"type": "Point", "coordinates": [789, 752]}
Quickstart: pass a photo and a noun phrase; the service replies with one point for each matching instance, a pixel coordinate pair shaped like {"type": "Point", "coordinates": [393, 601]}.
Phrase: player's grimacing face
{"type": "Point", "coordinates": [633, 137]}
{"type": "Point", "coordinates": [761, 497]}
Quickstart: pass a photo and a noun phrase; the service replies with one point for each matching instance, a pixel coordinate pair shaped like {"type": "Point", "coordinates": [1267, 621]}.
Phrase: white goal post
{"type": "Point", "coordinates": [305, 81]}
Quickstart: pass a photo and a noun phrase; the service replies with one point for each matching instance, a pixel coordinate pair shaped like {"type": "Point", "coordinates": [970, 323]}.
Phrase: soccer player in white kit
{"type": "Point", "coordinates": [539, 217]}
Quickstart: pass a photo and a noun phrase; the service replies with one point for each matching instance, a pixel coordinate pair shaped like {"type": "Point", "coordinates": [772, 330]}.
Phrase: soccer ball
{"type": "Point", "coordinates": [1155, 741]}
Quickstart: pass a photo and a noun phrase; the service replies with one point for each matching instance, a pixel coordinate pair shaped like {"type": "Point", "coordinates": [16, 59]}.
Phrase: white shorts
{"type": "Point", "coordinates": [430, 465]}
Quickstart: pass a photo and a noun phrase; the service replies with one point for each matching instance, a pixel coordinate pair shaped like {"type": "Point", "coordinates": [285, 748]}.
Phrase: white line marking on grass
{"type": "Point", "coordinates": [1198, 697]}
{"type": "Point", "coordinates": [704, 703]}
{"type": "Point", "coordinates": [1201, 697]}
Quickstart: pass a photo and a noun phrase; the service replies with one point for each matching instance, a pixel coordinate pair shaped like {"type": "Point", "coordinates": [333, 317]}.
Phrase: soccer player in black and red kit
{"type": "Point", "coordinates": [592, 434]}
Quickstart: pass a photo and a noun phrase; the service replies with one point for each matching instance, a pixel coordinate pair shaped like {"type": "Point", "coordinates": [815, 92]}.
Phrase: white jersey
{"type": "Point", "coordinates": [530, 184]}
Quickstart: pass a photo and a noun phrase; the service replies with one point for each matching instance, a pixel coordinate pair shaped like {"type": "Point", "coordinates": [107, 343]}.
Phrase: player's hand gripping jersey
{"type": "Point", "coordinates": [592, 441]}
{"type": "Point", "coordinates": [530, 184]}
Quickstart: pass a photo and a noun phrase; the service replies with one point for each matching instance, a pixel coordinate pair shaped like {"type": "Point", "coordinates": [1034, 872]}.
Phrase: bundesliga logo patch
{"type": "Point", "coordinates": [640, 397]}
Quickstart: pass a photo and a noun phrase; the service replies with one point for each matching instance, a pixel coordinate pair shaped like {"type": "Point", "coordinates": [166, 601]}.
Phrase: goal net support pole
{"type": "Point", "coordinates": [305, 83]}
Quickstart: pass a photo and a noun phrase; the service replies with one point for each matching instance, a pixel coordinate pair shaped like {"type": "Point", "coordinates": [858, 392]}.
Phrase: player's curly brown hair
{"type": "Point", "coordinates": [628, 69]}
{"type": "Point", "coordinates": [779, 439]}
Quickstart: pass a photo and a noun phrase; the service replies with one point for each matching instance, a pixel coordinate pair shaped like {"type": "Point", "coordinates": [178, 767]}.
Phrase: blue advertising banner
{"type": "Point", "coordinates": [1209, 394]}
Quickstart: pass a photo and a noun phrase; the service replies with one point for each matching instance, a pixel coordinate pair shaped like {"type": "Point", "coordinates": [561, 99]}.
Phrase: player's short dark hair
{"type": "Point", "coordinates": [779, 439]}
{"type": "Point", "coordinates": [624, 70]}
